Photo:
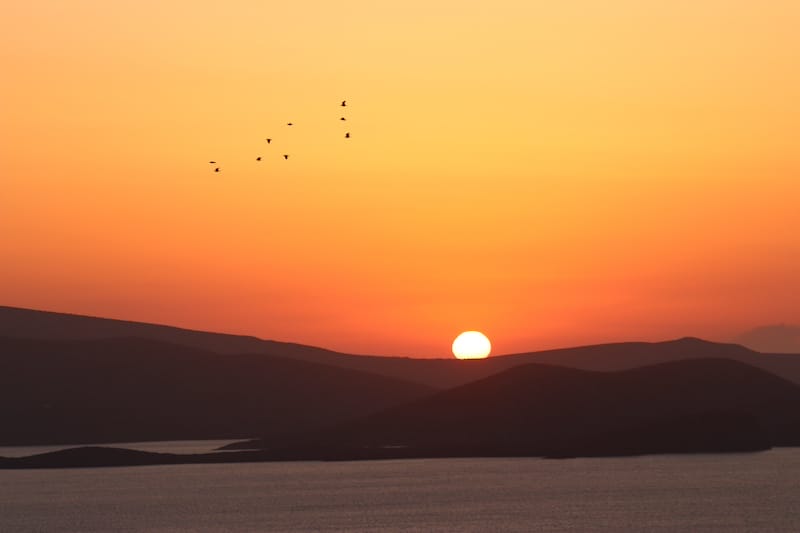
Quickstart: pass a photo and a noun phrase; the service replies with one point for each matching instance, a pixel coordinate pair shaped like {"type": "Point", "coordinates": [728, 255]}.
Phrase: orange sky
{"type": "Point", "coordinates": [550, 173]}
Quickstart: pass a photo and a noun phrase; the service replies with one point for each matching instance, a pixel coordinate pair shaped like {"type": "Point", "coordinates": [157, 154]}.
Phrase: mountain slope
{"type": "Point", "coordinates": [113, 390]}
{"type": "Point", "coordinates": [46, 325]}
{"type": "Point", "coordinates": [438, 373]}
{"type": "Point", "coordinates": [692, 405]}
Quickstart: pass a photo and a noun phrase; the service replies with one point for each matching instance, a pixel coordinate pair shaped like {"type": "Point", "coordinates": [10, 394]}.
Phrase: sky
{"type": "Point", "coordinates": [549, 173]}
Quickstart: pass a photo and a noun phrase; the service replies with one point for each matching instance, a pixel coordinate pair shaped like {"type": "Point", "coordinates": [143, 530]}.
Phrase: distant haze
{"type": "Point", "coordinates": [772, 339]}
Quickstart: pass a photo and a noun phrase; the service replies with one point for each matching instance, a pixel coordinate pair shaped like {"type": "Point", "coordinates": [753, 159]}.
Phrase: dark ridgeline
{"type": "Point", "coordinates": [438, 373]}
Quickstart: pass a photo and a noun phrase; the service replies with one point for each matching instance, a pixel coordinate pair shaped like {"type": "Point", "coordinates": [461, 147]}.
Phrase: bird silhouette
{"type": "Point", "coordinates": [216, 169]}
{"type": "Point", "coordinates": [344, 103]}
{"type": "Point", "coordinates": [258, 158]}
{"type": "Point", "coordinates": [289, 124]}
{"type": "Point", "coordinates": [269, 140]}
{"type": "Point", "coordinates": [286, 156]}
{"type": "Point", "coordinates": [213, 162]}
{"type": "Point", "coordinates": [342, 118]}
{"type": "Point", "coordinates": [347, 135]}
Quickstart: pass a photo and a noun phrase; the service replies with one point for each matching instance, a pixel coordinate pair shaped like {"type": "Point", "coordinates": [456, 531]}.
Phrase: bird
{"type": "Point", "coordinates": [269, 140]}
{"type": "Point", "coordinates": [213, 162]}
{"type": "Point", "coordinates": [344, 103]}
{"type": "Point", "coordinates": [342, 118]}
{"type": "Point", "coordinates": [288, 123]}
{"type": "Point", "coordinates": [347, 135]}
{"type": "Point", "coordinates": [258, 158]}
{"type": "Point", "coordinates": [286, 156]}
{"type": "Point", "coordinates": [216, 169]}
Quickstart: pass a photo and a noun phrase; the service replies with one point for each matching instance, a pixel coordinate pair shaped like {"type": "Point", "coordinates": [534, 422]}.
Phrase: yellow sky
{"type": "Point", "coordinates": [550, 173]}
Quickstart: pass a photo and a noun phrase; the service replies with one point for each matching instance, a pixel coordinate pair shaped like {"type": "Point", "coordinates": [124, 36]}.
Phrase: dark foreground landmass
{"type": "Point", "coordinates": [131, 390]}
{"type": "Point", "coordinates": [540, 410]}
{"type": "Point", "coordinates": [81, 379]}
{"type": "Point", "coordinates": [694, 406]}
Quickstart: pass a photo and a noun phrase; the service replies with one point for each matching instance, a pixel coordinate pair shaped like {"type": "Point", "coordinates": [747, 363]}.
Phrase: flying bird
{"type": "Point", "coordinates": [286, 156]}
{"type": "Point", "coordinates": [347, 135]}
{"type": "Point", "coordinates": [216, 169]}
{"type": "Point", "coordinates": [342, 118]}
{"type": "Point", "coordinates": [258, 158]}
{"type": "Point", "coordinates": [213, 162]}
{"type": "Point", "coordinates": [344, 103]}
{"type": "Point", "coordinates": [269, 140]}
{"type": "Point", "coordinates": [288, 123]}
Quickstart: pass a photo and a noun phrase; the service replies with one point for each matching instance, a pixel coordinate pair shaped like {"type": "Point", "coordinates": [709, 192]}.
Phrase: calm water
{"type": "Point", "coordinates": [743, 492]}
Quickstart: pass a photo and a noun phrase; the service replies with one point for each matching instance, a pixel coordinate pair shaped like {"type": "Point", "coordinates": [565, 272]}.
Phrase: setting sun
{"type": "Point", "coordinates": [472, 345]}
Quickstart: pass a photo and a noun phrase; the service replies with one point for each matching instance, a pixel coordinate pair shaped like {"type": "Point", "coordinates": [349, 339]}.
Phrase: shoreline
{"type": "Point", "coordinates": [103, 456]}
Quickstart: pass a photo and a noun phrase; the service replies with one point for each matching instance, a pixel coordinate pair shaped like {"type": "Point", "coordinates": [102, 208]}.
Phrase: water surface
{"type": "Point", "coordinates": [734, 492]}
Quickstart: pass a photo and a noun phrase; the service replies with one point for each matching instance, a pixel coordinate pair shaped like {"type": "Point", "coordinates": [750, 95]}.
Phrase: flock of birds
{"type": "Point", "coordinates": [286, 156]}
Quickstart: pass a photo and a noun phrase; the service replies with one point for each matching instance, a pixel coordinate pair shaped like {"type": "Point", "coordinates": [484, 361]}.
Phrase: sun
{"type": "Point", "coordinates": [472, 345]}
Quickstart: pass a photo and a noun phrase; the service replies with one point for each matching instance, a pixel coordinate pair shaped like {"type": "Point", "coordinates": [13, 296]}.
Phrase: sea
{"type": "Point", "coordinates": [676, 493]}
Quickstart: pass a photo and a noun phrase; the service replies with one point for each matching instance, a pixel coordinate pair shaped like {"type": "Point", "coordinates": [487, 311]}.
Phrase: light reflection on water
{"type": "Point", "coordinates": [736, 492]}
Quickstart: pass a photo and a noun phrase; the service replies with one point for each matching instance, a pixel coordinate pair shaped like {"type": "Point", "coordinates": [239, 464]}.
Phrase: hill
{"type": "Point", "coordinates": [540, 410]}
{"type": "Point", "coordinates": [46, 325]}
{"type": "Point", "coordinates": [103, 456]}
{"type": "Point", "coordinates": [116, 390]}
{"type": "Point", "coordinates": [437, 373]}
{"type": "Point", "coordinates": [628, 355]}
{"type": "Point", "coordinates": [694, 406]}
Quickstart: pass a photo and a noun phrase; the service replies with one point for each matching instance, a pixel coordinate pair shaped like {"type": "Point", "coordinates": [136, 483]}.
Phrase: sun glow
{"type": "Point", "coordinates": [471, 345]}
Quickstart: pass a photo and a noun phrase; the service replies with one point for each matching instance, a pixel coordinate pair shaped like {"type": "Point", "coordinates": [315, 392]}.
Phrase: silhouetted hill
{"type": "Point", "coordinates": [46, 325]}
{"type": "Point", "coordinates": [540, 410]}
{"type": "Point", "coordinates": [103, 456]}
{"type": "Point", "coordinates": [626, 355]}
{"type": "Point", "coordinates": [117, 390]}
{"type": "Point", "coordinates": [693, 406]}
{"type": "Point", "coordinates": [438, 373]}
{"type": "Point", "coordinates": [106, 386]}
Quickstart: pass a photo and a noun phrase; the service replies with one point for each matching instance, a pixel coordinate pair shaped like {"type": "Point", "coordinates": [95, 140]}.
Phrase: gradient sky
{"type": "Point", "coordinates": [550, 173]}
